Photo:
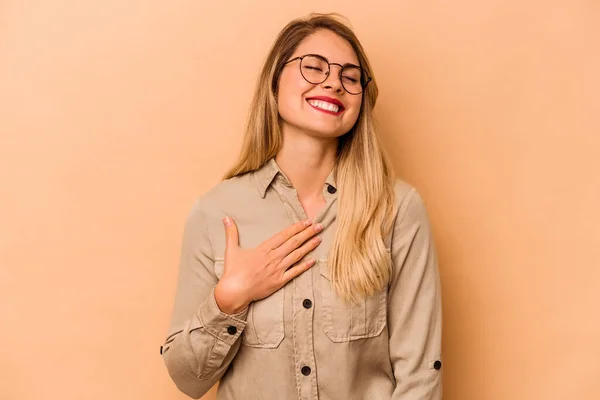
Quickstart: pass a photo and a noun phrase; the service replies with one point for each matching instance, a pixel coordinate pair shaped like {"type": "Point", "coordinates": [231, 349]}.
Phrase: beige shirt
{"type": "Point", "coordinates": [303, 341]}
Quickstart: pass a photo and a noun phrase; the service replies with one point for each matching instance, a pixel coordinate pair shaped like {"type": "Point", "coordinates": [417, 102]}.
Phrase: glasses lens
{"type": "Point", "coordinates": [314, 69]}
{"type": "Point", "coordinates": [353, 79]}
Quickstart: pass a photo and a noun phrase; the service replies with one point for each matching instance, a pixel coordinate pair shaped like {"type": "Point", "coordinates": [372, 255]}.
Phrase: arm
{"type": "Point", "coordinates": [414, 306]}
{"type": "Point", "coordinates": [202, 340]}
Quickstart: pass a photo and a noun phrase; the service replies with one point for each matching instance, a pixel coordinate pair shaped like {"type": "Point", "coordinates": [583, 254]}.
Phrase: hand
{"type": "Point", "coordinates": [253, 274]}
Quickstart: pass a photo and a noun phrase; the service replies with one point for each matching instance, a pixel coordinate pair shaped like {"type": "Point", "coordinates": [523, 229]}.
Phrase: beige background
{"type": "Point", "coordinates": [115, 115]}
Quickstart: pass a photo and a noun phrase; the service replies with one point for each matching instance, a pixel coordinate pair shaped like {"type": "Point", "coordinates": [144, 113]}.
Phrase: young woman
{"type": "Point", "coordinates": [310, 271]}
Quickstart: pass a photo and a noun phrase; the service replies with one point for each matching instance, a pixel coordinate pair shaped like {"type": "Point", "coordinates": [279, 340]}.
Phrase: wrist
{"type": "Point", "coordinates": [228, 301]}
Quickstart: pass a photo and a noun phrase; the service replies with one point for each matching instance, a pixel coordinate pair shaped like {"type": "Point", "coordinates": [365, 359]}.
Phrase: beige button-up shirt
{"type": "Point", "coordinates": [303, 341]}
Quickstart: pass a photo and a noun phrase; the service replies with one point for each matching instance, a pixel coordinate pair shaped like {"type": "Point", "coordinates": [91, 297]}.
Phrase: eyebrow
{"type": "Point", "coordinates": [351, 65]}
{"type": "Point", "coordinates": [325, 58]}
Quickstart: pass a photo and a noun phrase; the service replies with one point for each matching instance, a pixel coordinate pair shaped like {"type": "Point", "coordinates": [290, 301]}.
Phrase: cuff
{"type": "Point", "coordinates": [225, 327]}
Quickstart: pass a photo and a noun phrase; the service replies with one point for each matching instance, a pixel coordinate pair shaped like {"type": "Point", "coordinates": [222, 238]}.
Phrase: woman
{"type": "Point", "coordinates": [310, 271]}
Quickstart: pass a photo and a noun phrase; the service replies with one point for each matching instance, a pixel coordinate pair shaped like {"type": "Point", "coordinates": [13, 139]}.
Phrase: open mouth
{"type": "Point", "coordinates": [330, 107]}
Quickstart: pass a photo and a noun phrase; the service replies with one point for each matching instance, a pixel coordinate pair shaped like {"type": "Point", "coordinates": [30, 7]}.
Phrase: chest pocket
{"type": "Point", "coordinates": [264, 328]}
{"type": "Point", "coordinates": [346, 321]}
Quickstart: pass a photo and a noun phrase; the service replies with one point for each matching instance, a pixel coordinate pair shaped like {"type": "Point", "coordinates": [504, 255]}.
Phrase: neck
{"type": "Point", "coordinates": [307, 161]}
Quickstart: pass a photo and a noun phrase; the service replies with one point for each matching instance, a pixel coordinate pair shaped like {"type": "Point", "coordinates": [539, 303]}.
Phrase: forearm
{"type": "Point", "coordinates": [415, 307]}
{"type": "Point", "coordinates": [199, 354]}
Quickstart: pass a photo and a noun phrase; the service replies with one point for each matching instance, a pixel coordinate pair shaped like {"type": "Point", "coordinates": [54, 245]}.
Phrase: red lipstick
{"type": "Point", "coordinates": [328, 100]}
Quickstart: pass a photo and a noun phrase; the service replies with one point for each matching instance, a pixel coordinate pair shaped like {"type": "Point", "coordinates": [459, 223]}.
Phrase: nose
{"type": "Point", "coordinates": [333, 81]}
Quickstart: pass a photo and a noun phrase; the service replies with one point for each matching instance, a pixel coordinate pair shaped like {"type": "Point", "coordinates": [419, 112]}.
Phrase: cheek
{"type": "Point", "coordinates": [290, 98]}
{"type": "Point", "coordinates": [285, 103]}
{"type": "Point", "coordinates": [291, 88]}
{"type": "Point", "coordinates": [354, 111]}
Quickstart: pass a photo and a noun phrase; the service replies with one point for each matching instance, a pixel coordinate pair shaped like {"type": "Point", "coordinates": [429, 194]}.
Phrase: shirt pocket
{"type": "Point", "coordinates": [264, 323]}
{"type": "Point", "coordinates": [345, 321]}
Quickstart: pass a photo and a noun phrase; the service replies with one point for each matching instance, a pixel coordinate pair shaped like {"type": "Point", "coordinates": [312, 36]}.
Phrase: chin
{"type": "Point", "coordinates": [323, 131]}
{"type": "Point", "coordinates": [326, 131]}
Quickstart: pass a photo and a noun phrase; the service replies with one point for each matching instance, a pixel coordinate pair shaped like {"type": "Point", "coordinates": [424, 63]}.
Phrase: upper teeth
{"type": "Point", "coordinates": [324, 105]}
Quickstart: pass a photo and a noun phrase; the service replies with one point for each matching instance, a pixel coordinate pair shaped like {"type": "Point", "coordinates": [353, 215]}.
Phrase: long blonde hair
{"type": "Point", "coordinates": [359, 262]}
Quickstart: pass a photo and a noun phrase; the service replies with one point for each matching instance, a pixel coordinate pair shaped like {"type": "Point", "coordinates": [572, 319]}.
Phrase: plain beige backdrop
{"type": "Point", "coordinates": [115, 115]}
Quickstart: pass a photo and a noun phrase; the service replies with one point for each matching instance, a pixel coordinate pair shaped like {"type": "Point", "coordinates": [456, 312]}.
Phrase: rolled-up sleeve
{"type": "Point", "coordinates": [202, 340]}
{"type": "Point", "coordinates": [414, 306]}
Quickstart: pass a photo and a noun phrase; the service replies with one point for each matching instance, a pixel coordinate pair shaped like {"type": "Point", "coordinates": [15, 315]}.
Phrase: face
{"type": "Point", "coordinates": [323, 110]}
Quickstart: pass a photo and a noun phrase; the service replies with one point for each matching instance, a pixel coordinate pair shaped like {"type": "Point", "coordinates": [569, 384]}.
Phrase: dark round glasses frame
{"type": "Point", "coordinates": [364, 80]}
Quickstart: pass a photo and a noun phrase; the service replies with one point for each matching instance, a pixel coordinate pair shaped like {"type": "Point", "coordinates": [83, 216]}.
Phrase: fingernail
{"type": "Point", "coordinates": [318, 227]}
{"type": "Point", "coordinates": [227, 221]}
{"type": "Point", "coordinates": [308, 222]}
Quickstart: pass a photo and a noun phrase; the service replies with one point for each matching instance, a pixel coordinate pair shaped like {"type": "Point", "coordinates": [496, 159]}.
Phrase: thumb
{"type": "Point", "coordinates": [231, 234]}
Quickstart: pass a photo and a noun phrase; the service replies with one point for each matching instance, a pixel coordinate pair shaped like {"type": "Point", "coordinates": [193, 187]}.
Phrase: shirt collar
{"type": "Point", "coordinates": [270, 170]}
{"type": "Point", "coordinates": [265, 175]}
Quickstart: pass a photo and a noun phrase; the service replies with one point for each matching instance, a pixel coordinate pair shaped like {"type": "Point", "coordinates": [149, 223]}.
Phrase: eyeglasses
{"type": "Point", "coordinates": [315, 69]}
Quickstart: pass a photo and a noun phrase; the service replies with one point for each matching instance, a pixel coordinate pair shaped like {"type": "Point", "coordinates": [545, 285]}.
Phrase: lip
{"type": "Point", "coordinates": [329, 100]}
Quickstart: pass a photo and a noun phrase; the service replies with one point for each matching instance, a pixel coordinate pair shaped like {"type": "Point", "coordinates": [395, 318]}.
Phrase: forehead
{"type": "Point", "coordinates": [328, 45]}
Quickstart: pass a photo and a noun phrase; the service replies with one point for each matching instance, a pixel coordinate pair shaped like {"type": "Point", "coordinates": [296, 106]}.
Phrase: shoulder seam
{"type": "Point", "coordinates": [403, 207]}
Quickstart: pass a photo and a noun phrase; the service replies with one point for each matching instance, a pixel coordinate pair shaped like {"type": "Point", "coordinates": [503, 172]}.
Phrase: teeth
{"type": "Point", "coordinates": [324, 105]}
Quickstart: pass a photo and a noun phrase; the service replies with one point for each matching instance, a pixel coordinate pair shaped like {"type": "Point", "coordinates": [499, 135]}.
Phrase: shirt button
{"type": "Point", "coordinates": [331, 189]}
{"type": "Point", "coordinates": [232, 330]}
{"type": "Point", "coordinates": [305, 371]}
{"type": "Point", "coordinates": [437, 365]}
{"type": "Point", "coordinates": [307, 303]}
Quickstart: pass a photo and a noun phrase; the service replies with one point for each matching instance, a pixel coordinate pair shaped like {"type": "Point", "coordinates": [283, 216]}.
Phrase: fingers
{"type": "Point", "coordinates": [297, 240]}
{"type": "Point", "coordinates": [296, 255]}
{"type": "Point", "coordinates": [286, 234]}
{"type": "Point", "coordinates": [297, 269]}
{"type": "Point", "coordinates": [231, 234]}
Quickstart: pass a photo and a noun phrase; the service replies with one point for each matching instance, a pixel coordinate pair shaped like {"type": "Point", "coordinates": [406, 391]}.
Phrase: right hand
{"type": "Point", "coordinates": [253, 274]}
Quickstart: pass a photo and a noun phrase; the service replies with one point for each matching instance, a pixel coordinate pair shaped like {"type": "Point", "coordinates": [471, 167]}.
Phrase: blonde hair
{"type": "Point", "coordinates": [359, 262]}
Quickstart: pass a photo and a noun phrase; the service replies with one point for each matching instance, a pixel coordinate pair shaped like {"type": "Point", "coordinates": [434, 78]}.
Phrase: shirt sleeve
{"type": "Point", "coordinates": [202, 340]}
{"type": "Point", "coordinates": [414, 306]}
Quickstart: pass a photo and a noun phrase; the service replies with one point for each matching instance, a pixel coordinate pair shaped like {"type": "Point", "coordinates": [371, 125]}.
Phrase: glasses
{"type": "Point", "coordinates": [315, 69]}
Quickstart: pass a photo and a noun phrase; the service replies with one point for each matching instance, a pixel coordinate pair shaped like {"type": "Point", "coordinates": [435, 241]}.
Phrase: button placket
{"type": "Point", "coordinates": [302, 316]}
{"type": "Point", "coordinates": [302, 326]}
